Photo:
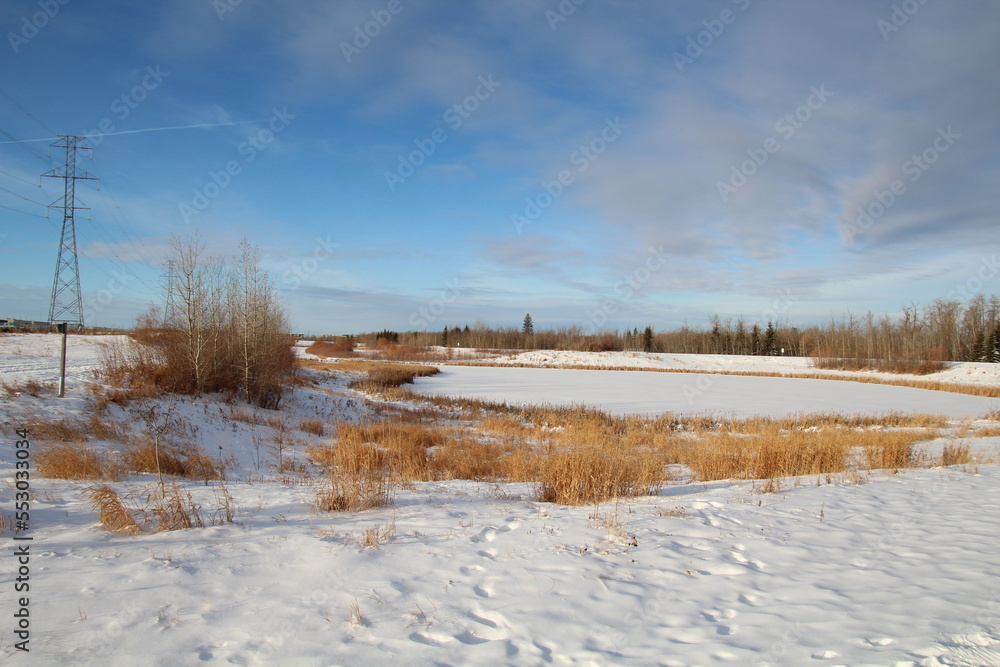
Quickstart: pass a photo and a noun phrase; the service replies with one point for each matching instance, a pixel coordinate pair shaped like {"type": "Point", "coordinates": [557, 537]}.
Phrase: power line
{"type": "Point", "coordinates": [23, 197]}
{"type": "Point", "coordinates": [26, 112]}
{"type": "Point", "coordinates": [124, 224]}
{"type": "Point", "coordinates": [24, 146]}
{"type": "Point", "coordinates": [34, 215]}
{"type": "Point", "coordinates": [18, 178]}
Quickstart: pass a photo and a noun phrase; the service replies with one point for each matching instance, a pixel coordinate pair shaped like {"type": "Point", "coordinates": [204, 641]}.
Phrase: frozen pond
{"type": "Point", "coordinates": [651, 393]}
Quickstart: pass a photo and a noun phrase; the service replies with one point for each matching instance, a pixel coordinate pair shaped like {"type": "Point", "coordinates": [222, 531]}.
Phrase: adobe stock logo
{"type": "Point", "coordinates": [249, 148]}
{"type": "Point", "coordinates": [883, 200]}
{"type": "Point", "coordinates": [30, 26]}
{"type": "Point", "coordinates": [786, 126]}
{"type": "Point", "coordinates": [454, 116]}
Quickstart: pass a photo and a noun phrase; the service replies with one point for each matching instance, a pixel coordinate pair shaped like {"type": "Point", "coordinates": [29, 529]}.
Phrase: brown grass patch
{"type": "Point", "coordinates": [75, 461]}
{"type": "Point", "coordinates": [57, 430]}
{"type": "Point", "coordinates": [30, 387]}
{"type": "Point", "coordinates": [312, 426]}
{"type": "Point", "coordinates": [955, 454]}
{"type": "Point", "coordinates": [381, 377]}
{"type": "Point", "coordinates": [590, 474]}
{"type": "Point", "coordinates": [341, 347]}
{"type": "Point", "coordinates": [899, 366]}
{"type": "Point", "coordinates": [188, 461]}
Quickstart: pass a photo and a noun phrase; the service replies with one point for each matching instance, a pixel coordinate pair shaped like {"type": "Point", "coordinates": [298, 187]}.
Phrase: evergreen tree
{"type": "Point", "coordinates": [444, 337]}
{"type": "Point", "coordinates": [741, 337]}
{"type": "Point", "coordinates": [979, 347]}
{"type": "Point", "coordinates": [529, 326]}
{"type": "Point", "coordinates": [755, 339]}
{"type": "Point", "coordinates": [770, 345]}
{"type": "Point", "coordinates": [647, 340]}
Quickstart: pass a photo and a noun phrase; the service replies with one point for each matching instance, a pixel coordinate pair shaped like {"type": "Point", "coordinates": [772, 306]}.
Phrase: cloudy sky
{"type": "Point", "coordinates": [412, 164]}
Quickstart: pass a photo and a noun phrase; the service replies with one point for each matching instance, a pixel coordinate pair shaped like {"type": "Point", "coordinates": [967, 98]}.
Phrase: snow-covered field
{"type": "Point", "coordinates": [901, 570]}
{"type": "Point", "coordinates": [962, 373]}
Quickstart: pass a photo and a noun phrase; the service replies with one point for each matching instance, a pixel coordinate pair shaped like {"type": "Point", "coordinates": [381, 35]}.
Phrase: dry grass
{"type": "Point", "coordinates": [111, 511]}
{"type": "Point", "coordinates": [358, 478]}
{"type": "Point", "coordinates": [312, 426]}
{"type": "Point", "coordinates": [578, 455]}
{"type": "Point", "coordinates": [173, 508]}
{"type": "Point", "coordinates": [955, 454]}
{"type": "Point", "coordinates": [188, 461]}
{"type": "Point", "coordinates": [590, 474]}
{"type": "Point", "coordinates": [341, 347]}
{"type": "Point", "coordinates": [57, 431]}
{"type": "Point", "coordinates": [381, 376]}
{"type": "Point", "coordinates": [7, 524]}
{"type": "Point", "coordinates": [377, 534]}
{"type": "Point", "coordinates": [74, 461]}
{"type": "Point", "coordinates": [30, 387]}
{"type": "Point", "coordinates": [159, 508]}
{"type": "Point", "coordinates": [935, 364]}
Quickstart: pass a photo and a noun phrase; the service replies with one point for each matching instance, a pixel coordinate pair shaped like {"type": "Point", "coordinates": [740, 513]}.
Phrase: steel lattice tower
{"type": "Point", "coordinates": [67, 302]}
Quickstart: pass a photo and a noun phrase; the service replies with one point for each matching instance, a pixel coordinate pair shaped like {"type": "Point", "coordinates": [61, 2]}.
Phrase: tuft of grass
{"type": "Point", "coordinates": [377, 534]}
{"type": "Point", "coordinates": [955, 454]}
{"type": "Point", "coordinates": [74, 461]}
{"type": "Point", "coordinates": [111, 511]}
{"type": "Point", "coordinates": [312, 426]}
{"type": "Point", "coordinates": [173, 509]}
{"type": "Point", "coordinates": [358, 478]}
{"type": "Point", "coordinates": [356, 618]}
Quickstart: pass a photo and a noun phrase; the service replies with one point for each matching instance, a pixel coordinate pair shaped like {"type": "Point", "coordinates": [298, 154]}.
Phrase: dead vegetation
{"type": "Point", "coordinates": [30, 387]}
{"type": "Point", "coordinates": [158, 508]}
{"type": "Point", "coordinates": [69, 460]}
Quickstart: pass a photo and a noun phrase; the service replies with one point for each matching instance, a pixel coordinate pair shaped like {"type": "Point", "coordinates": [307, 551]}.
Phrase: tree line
{"type": "Point", "coordinates": [943, 330]}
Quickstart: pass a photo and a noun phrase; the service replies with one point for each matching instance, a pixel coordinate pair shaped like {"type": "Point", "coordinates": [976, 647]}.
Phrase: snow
{"type": "Point", "coordinates": [901, 570]}
{"type": "Point", "coordinates": [646, 393]}
{"type": "Point", "coordinates": [960, 372]}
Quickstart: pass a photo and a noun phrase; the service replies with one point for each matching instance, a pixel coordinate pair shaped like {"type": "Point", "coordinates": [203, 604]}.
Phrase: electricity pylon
{"type": "Point", "coordinates": [67, 302]}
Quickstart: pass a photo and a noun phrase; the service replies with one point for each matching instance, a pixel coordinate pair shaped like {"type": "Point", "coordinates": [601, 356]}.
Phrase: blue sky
{"type": "Point", "coordinates": [415, 164]}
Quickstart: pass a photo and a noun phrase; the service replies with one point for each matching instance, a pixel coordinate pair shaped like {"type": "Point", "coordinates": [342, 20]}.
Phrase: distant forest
{"type": "Point", "coordinates": [944, 330]}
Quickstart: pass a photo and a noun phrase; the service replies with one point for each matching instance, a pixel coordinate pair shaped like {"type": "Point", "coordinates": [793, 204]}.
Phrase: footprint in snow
{"type": "Point", "coordinates": [485, 535]}
{"type": "Point", "coordinates": [430, 638]}
{"type": "Point", "coordinates": [717, 615]}
{"type": "Point", "coordinates": [880, 641]}
{"type": "Point", "coordinates": [825, 655]}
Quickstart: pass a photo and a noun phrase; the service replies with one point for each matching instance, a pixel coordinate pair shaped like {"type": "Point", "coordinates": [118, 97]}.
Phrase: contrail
{"type": "Point", "coordinates": [148, 129]}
